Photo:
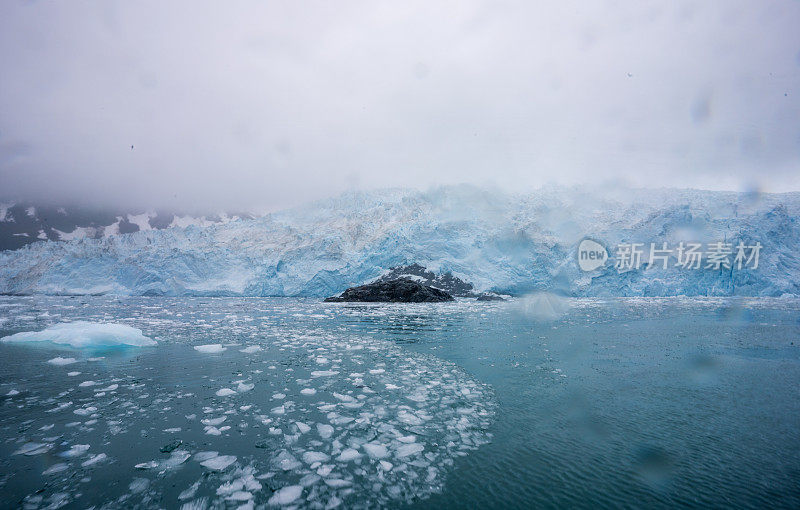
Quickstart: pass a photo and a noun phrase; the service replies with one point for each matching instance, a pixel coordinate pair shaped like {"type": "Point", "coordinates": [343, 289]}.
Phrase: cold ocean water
{"type": "Point", "coordinates": [531, 403]}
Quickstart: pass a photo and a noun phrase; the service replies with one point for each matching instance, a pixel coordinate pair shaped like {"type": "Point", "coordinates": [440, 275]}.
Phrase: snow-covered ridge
{"type": "Point", "coordinates": [508, 243]}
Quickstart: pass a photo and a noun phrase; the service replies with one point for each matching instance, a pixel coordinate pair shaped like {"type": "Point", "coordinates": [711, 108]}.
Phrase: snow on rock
{"type": "Point", "coordinates": [84, 334]}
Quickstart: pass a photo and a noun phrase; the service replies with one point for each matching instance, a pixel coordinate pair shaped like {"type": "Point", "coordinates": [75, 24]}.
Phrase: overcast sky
{"type": "Point", "coordinates": [268, 104]}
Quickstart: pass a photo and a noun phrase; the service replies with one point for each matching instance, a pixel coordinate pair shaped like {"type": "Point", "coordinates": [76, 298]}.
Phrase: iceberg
{"type": "Point", "coordinates": [80, 334]}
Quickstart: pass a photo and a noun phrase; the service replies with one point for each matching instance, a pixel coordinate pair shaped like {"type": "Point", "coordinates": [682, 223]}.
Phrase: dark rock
{"type": "Point", "coordinates": [447, 282]}
{"type": "Point", "coordinates": [168, 448]}
{"type": "Point", "coordinates": [401, 290]}
{"type": "Point", "coordinates": [490, 297]}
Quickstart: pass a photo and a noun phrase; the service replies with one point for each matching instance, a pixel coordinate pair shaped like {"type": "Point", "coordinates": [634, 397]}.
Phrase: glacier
{"type": "Point", "coordinates": [509, 243]}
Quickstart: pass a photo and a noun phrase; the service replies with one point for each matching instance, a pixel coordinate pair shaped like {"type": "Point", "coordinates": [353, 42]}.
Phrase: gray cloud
{"type": "Point", "coordinates": [242, 104]}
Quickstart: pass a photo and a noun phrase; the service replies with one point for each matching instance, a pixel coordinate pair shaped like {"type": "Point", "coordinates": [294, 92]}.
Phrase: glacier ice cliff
{"type": "Point", "coordinates": [501, 242]}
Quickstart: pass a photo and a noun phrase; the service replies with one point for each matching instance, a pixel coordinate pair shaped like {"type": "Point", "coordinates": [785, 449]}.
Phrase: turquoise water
{"type": "Point", "coordinates": [633, 403]}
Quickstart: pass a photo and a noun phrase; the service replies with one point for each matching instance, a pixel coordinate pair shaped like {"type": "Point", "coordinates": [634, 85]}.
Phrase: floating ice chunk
{"type": "Point", "coordinates": [377, 371]}
{"type": "Point", "coordinates": [250, 349]}
{"type": "Point", "coordinates": [56, 468]}
{"type": "Point", "coordinates": [86, 384]}
{"type": "Point", "coordinates": [408, 418]}
{"type": "Point", "coordinates": [225, 392]}
{"type": "Point", "coordinates": [308, 391]}
{"type": "Point", "coordinates": [190, 492]}
{"type": "Point", "coordinates": [173, 430]}
{"type": "Point", "coordinates": [279, 396]}
{"type": "Point", "coordinates": [94, 459]}
{"type": "Point", "coordinates": [59, 361]}
{"type": "Point", "coordinates": [325, 431]}
{"type": "Point", "coordinates": [278, 410]}
{"type": "Point", "coordinates": [151, 464]}
{"type": "Point", "coordinates": [323, 373]}
{"type": "Point", "coordinates": [337, 482]}
{"type": "Point", "coordinates": [86, 334]}
{"type": "Point", "coordinates": [213, 421]}
{"type": "Point", "coordinates": [138, 485]}
{"type": "Point", "coordinates": [242, 387]}
{"type": "Point", "coordinates": [286, 495]}
{"type": "Point", "coordinates": [219, 463]}
{"type": "Point", "coordinates": [286, 461]}
{"type": "Point", "coordinates": [309, 479]}
{"type": "Point", "coordinates": [348, 454]}
{"type": "Point", "coordinates": [73, 374]}
{"type": "Point", "coordinates": [75, 450]}
{"type": "Point", "coordinates": [387, 466]}
{"type": "Point", "coordinates": [12, 393]}
{"type": "Point", "coordinates": [85, 411]}
{"type": "Point", "coordinates": [409, 449]}
{"type": "Point", "coordinates": [209, 348]}
{"type": "Point", "coordinates": [407, 439]}
{"type": "Point", "coordinates": [176, 458]}
{"type": "Point", "coordinates": [33, 449]}
{"type": "Point", "coordinates": [112, 387]}
{"type": "Point", "coordinates": [312, 457]}
{"type": "Point", "coordinates": [240, 496]}
{"type": "Point", "coordinates": [391, 386]}
{"type": "Point", "coordinates": [376, 450]}
{"type": "Point", "coordinates": [302, 427]}
{"type": "Point", "coordinates": [204, 456]}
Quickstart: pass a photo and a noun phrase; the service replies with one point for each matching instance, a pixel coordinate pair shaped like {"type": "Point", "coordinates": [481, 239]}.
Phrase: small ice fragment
{"type": "Point", "coordinates": [203, 456]}
{"type": "Point", "coordinates": [279, 396]}
{"type": "Point", "coordinates": [242, 387]}
{"type": "Point", "coordinates": [151, 464]}
{"type": "Point", "coordinates": [213, 421]}
{"type": "Point", "coordinates": [12, 393]}
{"type": "Point", "coordinates": [209, 348]}
{"type": "Point", "coordinates": [348, 455]}
{"type": "Point", "coordinates": [75, 451]}
{"type": "Point", "coordinates": [85, 384]}
{"type": "Point", "coordinates": [337, 482]}
{"type": "Point", "coordinates": [308, 391]}
{"type": "Point", "coordinates": [387, 466]}
{"type": "Point", "coordinates": [33, 449]}
{"type": "Point", "coordinates": [59, 361]}
{"type": "Point", "coordinates": [312, 457]}
{"type": "Point", "coordinates": [251, 349]}
{"type": "Point", "coordinates": [409, 449]}
{"type": "Point", "coordinates": [190, 492]}
{"type": "Point", "coordinates": [376, 450]}
{"type": "Point", "coordinates": [173, 430]}
{"type": "Point", "coordinates": [325, 431]}
{"type": "Point", "coordinates": [138, 485]}
{"type": "Point", "coordinates": [323, 373]}
{"type": "Point", "coordinates": [391, 386]}
{"type": "Point", "coordinates": [219, 463]}
{"type": "Point", "coordinates": [302, 427]}
{"type": "Point", "coordinates": [377, 371]}
{"type": "Point", "coordinates": [94, 459]}
{"type": "Point", "coordinates": [56, 468]}
{"type": "Point", "coordinates": [73, 374]}
{"type": "Point", "coordinates": [286, 495]}
{"type": "Point", "coordinates": [225, 392]}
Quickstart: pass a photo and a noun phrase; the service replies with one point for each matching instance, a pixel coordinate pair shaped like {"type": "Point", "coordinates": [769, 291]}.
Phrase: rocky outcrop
{"type": "Point", "coordinates": [490, 297]}
{"type": "Point", "coordinates": [446, 281]}
{"type": "Point", "coordinates": [400, 290]}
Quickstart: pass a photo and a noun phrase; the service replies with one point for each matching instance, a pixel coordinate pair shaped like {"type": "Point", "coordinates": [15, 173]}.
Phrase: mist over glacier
{"type": "Point", "coordinates": [499, 241]}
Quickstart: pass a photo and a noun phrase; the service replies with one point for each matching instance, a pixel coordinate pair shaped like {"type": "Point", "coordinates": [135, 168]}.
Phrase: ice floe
{"type": "Point", "coordinates": [85, 334]}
